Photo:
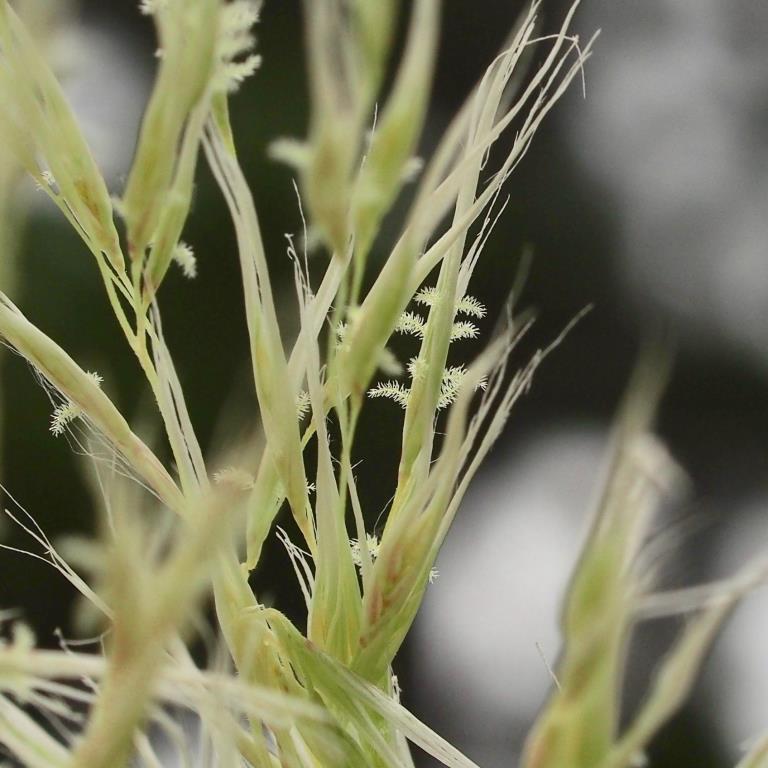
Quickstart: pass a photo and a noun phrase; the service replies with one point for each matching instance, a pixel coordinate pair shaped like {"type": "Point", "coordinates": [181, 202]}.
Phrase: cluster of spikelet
{"type": "Point", "coordinates": [176, 534]}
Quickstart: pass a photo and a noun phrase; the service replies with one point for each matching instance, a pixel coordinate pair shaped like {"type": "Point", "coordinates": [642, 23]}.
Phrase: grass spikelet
{"type": "Point", "coordinates": [41, 131]}
{"type": "Point", "coordinates": [81, 391]}
{"type": "Point", "coordinates": [147, 612]}
{"type": "Point", "coordinates": [580, 724]}
{"type": "Point", "coordinates": [397, 130]}
{"type": "Point", "coordinates": [188, 39]}
{"type": "Point", "coordinates": [270, 368]}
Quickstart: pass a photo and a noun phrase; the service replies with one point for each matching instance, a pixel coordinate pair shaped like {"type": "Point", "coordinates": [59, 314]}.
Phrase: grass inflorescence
{"type": "Point", "coordinates": [176, 534]}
